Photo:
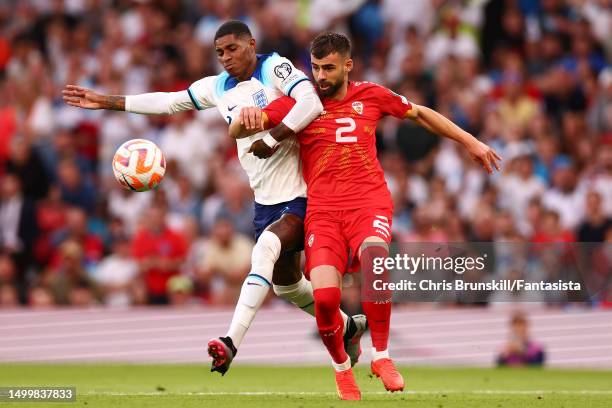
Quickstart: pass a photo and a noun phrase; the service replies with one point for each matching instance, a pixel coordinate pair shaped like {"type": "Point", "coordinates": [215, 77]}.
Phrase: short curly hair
{"type": "Point", "coordinates": [235, 27]}
{"type": "Point", "coordinates": [328, 43]}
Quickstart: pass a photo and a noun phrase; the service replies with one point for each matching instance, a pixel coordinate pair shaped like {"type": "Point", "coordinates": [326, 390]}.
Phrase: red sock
{"type": "Point", "coordinates": [329, 321]}
{"type": "Point", "coordinates": [379, 317]}
{"type": "Point", "coordinates": [376, 304]}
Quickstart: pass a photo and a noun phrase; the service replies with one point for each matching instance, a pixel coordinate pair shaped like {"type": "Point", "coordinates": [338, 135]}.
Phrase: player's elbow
{"type": "Point", "coordinates": [311, 104]}
{"type": "Point", "coordinates": [314, 107]}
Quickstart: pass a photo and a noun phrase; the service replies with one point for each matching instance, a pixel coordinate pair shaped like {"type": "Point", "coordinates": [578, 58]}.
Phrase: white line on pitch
{"type": "Point", "coordinates": [314, 393]}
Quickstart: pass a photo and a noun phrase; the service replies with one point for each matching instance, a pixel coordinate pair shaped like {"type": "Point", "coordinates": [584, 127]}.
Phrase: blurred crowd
{"type": "Point", "coordinates": [531, 78]}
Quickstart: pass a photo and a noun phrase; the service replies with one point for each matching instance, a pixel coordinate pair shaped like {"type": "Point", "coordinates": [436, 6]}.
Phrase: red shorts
{"type": "Point", "coordinates": [334, 237]}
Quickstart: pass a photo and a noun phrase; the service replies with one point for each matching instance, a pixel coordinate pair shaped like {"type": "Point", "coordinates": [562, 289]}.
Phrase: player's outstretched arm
{"type": "Point", "coordinates": [156, 103]}
{"type": "Point", "coordinates": [80, 97]}
{"type": "Point", "coordinates": [440, 125]}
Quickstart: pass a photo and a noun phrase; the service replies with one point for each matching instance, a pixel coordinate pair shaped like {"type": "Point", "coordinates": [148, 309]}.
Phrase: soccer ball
{"type": "Point", "coordinates": [139, 165]}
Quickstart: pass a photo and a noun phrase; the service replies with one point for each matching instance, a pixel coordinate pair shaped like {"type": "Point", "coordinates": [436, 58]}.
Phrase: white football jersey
{"type": "Point", "coordinates": [278, 178]}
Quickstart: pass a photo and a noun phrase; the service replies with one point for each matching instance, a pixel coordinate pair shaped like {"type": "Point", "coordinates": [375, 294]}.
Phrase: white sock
{"type": "Point", "coordinates": [342, 366]}
{"type": "Point", "coordinates": [256, 285]}
{"type": "Point", "coordinates": [300, 294]}
{"type": "Point", "coordinates": [377, 355]}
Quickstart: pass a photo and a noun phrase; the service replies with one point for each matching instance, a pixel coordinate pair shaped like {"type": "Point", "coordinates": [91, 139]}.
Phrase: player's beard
{"type": "Point", "coordinates": [331, 90]}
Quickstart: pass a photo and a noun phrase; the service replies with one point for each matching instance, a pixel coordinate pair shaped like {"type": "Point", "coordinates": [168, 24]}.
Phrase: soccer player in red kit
{"type": "Point", "coordinates": [349, 210]}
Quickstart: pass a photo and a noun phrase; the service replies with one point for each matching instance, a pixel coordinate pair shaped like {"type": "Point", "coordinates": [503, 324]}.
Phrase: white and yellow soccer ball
{"type": "Point", "coordinates": [139, 165]}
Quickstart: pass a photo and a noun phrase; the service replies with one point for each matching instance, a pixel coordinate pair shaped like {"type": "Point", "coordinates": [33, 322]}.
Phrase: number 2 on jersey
{"type": "Point", "coordinates": [350, 126]}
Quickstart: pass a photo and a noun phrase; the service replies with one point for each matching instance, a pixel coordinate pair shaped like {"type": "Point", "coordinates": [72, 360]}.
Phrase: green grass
{"type": "Point", "coordinates": [106, 385]}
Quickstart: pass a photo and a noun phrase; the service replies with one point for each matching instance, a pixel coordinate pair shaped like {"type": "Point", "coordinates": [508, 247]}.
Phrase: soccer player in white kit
{"type": "Point", "coordinates": [250, 79]}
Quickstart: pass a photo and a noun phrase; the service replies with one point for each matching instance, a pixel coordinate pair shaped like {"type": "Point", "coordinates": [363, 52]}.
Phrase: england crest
{"type": "Point", "coordinates": [260, 100]}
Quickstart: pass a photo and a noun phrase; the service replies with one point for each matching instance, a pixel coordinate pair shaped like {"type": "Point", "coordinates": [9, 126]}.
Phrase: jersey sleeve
{"type": "Point", "coordinates": [278, 109]}
{"type": "Point", "coordinates": [202, 92]}
{"type": "Point", "coordinates": [394, 104]}
{"type": "Point", "coordinates": [279, 73]}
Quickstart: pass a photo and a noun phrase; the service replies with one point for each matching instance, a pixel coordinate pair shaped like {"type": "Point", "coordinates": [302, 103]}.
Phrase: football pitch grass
{"type": "Point", "coordinates": [109, 385]}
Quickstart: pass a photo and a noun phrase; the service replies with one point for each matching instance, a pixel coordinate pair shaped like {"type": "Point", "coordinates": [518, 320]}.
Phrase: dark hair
{"type": "Point", "coordinates": [236, 27]}
{"type": "Point", "coordinates": [519, 318]}
{"type": "Point", "coordinates": [328, 43]}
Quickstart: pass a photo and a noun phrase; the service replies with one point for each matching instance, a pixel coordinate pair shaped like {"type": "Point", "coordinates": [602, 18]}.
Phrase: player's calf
{"type": "Point", "coordinates": [329, 322]}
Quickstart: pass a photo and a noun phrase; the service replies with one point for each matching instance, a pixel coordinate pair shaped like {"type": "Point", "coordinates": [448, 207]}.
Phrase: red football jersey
{"type": "Point", "coordinates": [338, 149]}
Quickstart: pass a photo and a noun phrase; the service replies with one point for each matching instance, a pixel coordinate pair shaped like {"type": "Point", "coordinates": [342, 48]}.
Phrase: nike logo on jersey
{"type": "Point", "coordinates": [232, 108]}
{"type": "Point", "coordinates": [253, 283]}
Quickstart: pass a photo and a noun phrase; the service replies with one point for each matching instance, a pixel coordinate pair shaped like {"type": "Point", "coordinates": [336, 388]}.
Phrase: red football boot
{"type": "Point", "coordinates": [391, 378]}
{"type": "Point", "coordinates": [346, 386]}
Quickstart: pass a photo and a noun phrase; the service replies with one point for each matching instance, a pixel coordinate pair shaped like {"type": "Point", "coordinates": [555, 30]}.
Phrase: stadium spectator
{"type": "Point", "coordinates": [181, 141]}
{"type": "Point", "coordinates": [116, 273]}
{"type": "Point", "coordinates": [595, 225]}
{"type": "Point", "coordinates": [424, 229]}
{"type": "Point", "coordinates": [8, 295]}
{"type": "Point", "coordinates": [551, 229]}
{"type": "Point", "coordinates": [8, 289]}
{"type": "Point", "coordinates": [521, 350]}
{"type": "Point", "coordinates": [68, 281]}
{"type": "Point", "coordinates": [76, 229]}
{"type": "Point", "coordinates": [197, 245]}
{"type": "Point", "coordinates": [75, 189]}
{"type": "Point", "coordinates": [82, 294]}
{"type": "Point", "coordinates": [183, 200]}
{"type": "Point", "coordinates": [601, 173]}
{"type": "Point", "coordinates": [450, 40]}
{"type": "Point", "coordinates": [180, 290]}
{"type": "Point", "coordinates": [50, 218]}
{"type": "Point", "coordinates": [227, 261]}
{"type": "Point", "coordinates": [40, 297]}
{"type": "Point", "coordinates": [8, 120]}
{"type": "Point", "coordinates": [234, 201]}
{"type": "Point", "coordinates": [519, 185]}
{"type": "Point", "coordinates": [516, 108]}
{"type": "Point", "coordinates": [17, 226]}
{"type": "Point", "coordinates": [566, 197]}
{"type": "Point", "coordinates": [26, 163]}
{"type": "Point", "coordinates": [600, 114]}
{"type": "Point", "coordinates": [160, 252]}
{"type": "Point", "coordinates": [15, 216]}
{"type": "Point", "coordinates": [128, 207]}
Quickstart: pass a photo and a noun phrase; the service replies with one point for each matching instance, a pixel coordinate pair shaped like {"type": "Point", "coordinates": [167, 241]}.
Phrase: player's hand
{"type": "Point", "coordinates": [261, 150]}
{"type": "Point", "coordinates": [81, 97]}
{"type": "Point", "coordinates": [485, 156]}
{"type": "Point", "coordinates": [251, 118]}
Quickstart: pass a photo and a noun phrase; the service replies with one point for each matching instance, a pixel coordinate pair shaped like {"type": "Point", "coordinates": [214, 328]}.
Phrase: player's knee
{"type": "Point", "coordinates": [327, 301]}
{"type": "Point", "coordinates": [265, 254]}
{"type": "Point", "coordinates": [374, 248]}
{"type": "Point", "coordinates": [290, 230]}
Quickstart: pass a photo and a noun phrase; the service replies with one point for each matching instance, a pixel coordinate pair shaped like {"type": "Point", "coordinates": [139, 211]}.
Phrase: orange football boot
{"type": "Point", "coordinates": [391, 378]}
{"type": "Point", "coordinates": [346, 386]}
